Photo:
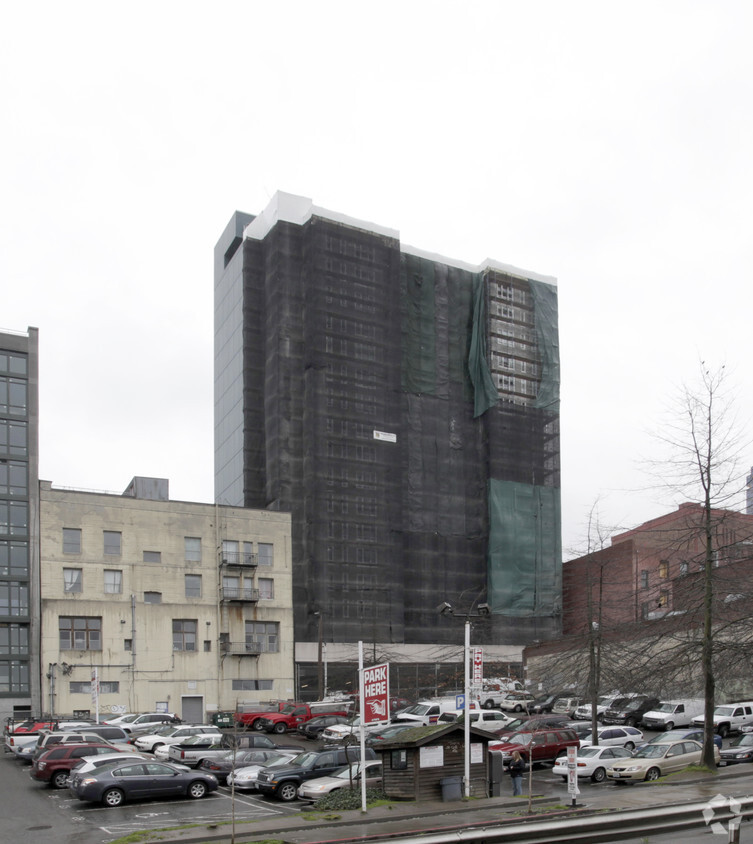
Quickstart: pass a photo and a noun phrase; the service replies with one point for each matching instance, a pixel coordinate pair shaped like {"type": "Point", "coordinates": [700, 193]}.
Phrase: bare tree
{"type": "Point", "coordinates": [703, 465]}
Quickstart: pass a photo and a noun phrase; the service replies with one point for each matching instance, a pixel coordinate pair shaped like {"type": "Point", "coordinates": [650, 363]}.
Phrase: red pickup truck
{"type": "Point", "coordinates": [247, 718]}
{"type": "Point", "coordinates": [294, 714]}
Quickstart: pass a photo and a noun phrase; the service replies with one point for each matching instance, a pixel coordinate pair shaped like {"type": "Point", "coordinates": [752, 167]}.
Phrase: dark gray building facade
{"type": "Point", "coordinates": [19, 523]}
{"type": "Point", "coordinates": [404, 408]}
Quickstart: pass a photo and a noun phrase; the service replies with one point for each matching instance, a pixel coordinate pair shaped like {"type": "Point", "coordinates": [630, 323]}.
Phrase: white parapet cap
{"type": "Point", "coordinates": [289, 208]}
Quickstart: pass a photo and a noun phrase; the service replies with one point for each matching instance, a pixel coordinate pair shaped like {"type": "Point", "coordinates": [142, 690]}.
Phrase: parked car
{"type": "Point", "coordinates": [290, 717]}
{"type": "Point", "coordinates": [629, 712]}
{"type": "Point", "coordinates": [538, 745]}
{"type": "Point", "coordinates": [483, 719]}
{"type": "Point", "coordinates": [344, 777]}
{"type": "Point", "coordinates": [313, 728]}
{"type": "Point", "coordinates": [147, 720]}
{"type": "Point", "coordinates": [538, 722]}
{"type": "Point", "coordinates": [93, 763]}
{"type": "Point", "coordinates": [583, 711]}
{"type": "Point", "coordinates": [388, 732]}
{"type": "Point", "coordinates": [658, 759]}
{"type": "Point", "coordinates": [543, 705]}
{"type": "Point", "coordinates": [174, 735]}
{"type": "Point", "coordinates": [220, 766]}
{"type": "Point", "coordinates": [566, 706]}
{"type": "Point", "coordinates": [427, 712]}
{"type": "Point", "coordinates": [109, 732]}
{"type": "Point", "coordinates": [245, 779]}
{"type": "Point", "coordinates": [54, 765]}
{"type": "Point", "coordinates": [729, 717]}
{"type": "Point", "coordinates": [673, 713]}
{"type": "Point", "coordinates": [48, 739]}
{"type": "Point", "coordinates": [283, 781]}
{"type": "Point", "coordinates": [132, 780]}
{"type": "Point", "coordinates": [348, 732]}
{"type": "Point", "coordinates": [516, 701]}
{"type": "Point", "coordinates": [591, 762]}
{"type": "Point", "coordinates": [119, 720]}
{"type": "Point", "coordinates": [627, 737]}
{"type": "Point", "coordinates": [740, 749]}
{"type": "Point", "coordinates": [495, 688]}
{"type": "Point", "coordinates": [692, 733]}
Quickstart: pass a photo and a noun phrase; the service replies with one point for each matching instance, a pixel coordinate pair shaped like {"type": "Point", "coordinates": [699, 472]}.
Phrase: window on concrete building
{"type": "Point", "coordinates": [193, 586]}
{"type": "Point", "coordinates": [266, 588]}
{"type": "Point", "coordinates": [14, 677]}
{"type": "Point", "coordinates": [13, 478]}
{"type": "Point", "coordinates": [152, 597]}
{"type": "Point", "coordinates": [152, 556]}
{"type": "Point", "coordinates": [12, 396]}
{"type": "Point", "coordinates": [248, 553]}
{"type": "Point", "coordinates": [106, 687]}
{"type": "Point", "coordinates": [14, 639]}
{"type": "Point", "coordinates": [207, 645]}
{"type": "Point", "coordinates": [231, 587]}
{"type": "Point", "coordinates": [230, 551]}
{"type": "Point", "coordinates": [73, 580]}
{"type": "Point", "coordinates": [263, 636]}
{"type": "Point", "coordinates": [193, 549]}
{"type": "Point", "coordinates": [112, 542]}
{"type": "Point", "coordinates": [184, 634]}
{"type": "Point", "coordinates": [252, 685]}
{"type": "Point", "coordinates": [71, 540]}
{"type": "Point", "coordinates": [113, 581]}
{"type": "Point", "coordinates": [80, 633]}
{"type": "Point", "coordinates": [14, 599]}
{"type": "Point", "coordinates": [13, 439]}
{"type": "Point", "coordinates": [644, 579]}
{"type": "Point", "coordinates": [14, 558]}
{"type": "Point", "coordinates": [266, 554]}
{"type": "Point", "coordinates": [663, 568]}
{"type": "Point", "coordinates": [127, 644]}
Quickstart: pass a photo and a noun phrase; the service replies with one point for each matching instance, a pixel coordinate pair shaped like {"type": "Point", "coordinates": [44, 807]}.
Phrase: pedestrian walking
{"type": "Point", "coordinates": [516, 767]}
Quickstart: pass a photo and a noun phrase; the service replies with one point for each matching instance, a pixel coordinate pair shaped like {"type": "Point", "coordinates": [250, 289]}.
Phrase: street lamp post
{"type": "Point", "coordinates": [483, 611]}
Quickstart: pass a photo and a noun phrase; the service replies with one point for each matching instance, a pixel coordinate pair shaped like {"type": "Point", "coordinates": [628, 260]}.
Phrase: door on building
{"type": "Point", "coordinates": [192, 709]}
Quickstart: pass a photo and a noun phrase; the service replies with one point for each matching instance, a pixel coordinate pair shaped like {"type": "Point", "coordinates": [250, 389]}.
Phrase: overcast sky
{"type": "Point", "coordinates": [607, 144]}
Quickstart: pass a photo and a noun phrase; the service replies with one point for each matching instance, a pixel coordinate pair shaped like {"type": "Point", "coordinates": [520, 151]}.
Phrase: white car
{"type": "Point", "coordinates": [516, 701]}
{"type": "Point", "coordinates": [591, 762]}
{"type": "Point", "coordinates": [348, 732]}
{"type": "Point", "coordinates": [244, 779]}
{"type": "Point", "coordinates": [627, 737]}
{"type": "Point", "coordinates": [318, 787]}
{"type": "Point", "coordinates": [174, 735]}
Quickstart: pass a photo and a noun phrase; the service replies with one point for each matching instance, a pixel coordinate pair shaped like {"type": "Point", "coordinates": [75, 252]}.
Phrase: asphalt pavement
{"type": "Point", "coordinates": [410, 819]}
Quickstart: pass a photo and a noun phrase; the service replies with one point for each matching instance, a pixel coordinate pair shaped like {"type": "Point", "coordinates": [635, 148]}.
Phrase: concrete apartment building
{"type": "Point", "coordinates": [404, 408]}
{"type": "Point", "coordinates": [19, 505]}
{"type": "Point", "coordinates": [168, 605]}
{"type": "Point", "coordinates": [647, 572]}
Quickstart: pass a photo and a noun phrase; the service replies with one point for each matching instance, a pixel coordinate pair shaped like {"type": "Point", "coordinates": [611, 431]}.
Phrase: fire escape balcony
{"type": "Point", "coordinates": [242, 594]}
{"type": "Point", "coordinates": [239, 559]}
{"type": "Point", "coordinates": [241, 648]}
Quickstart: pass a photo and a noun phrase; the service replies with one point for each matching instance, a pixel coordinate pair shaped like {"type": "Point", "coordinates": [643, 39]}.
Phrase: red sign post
{"type": "Point", "coordinates": [376, 694]}
{"type": "Point", "coordinates": [478, 666]}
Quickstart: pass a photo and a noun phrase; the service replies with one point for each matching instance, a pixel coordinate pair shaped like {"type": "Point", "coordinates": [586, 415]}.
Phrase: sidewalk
{"type": "Point", "coordinates": [414, 819]}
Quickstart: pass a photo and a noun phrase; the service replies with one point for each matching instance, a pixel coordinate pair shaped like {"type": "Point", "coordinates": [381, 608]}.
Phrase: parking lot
{"type": "Point", "coordinates": [65, 818]}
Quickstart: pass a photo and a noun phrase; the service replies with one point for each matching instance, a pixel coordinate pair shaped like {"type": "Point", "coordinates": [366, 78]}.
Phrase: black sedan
{"type": "Point", "coordinates": [220, 766]}
{"type": "Point", "coordinates": [314, 727]}
{"type": "Point", "coordinates": [139, 780]}
{"type": "Point", "coordinates": [740, 749]}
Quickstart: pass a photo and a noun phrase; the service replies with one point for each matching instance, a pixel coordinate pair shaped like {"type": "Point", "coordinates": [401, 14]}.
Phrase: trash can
{"type": "Point", "coordinates": [451, 788]}
{"type": "Point", "coordinates": [223, 719]}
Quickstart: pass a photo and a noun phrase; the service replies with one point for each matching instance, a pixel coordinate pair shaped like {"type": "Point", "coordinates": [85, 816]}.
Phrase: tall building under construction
{"type": "Point", "coordinates": [404, 407]}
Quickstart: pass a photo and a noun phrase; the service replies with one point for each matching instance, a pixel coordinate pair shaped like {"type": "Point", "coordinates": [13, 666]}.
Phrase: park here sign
{"type": "Point", "coordinates": [376, 693]}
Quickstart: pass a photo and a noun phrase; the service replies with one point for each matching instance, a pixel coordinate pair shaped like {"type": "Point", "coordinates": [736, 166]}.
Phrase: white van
{"type": "Point", "coordinates": [673, 713]}
{"type": "Point", "coordinates": [427, 712]}
{"type": "Point", "coordinates": [484, 719]}
{"type": "Point", "coordinates": [729, 717]}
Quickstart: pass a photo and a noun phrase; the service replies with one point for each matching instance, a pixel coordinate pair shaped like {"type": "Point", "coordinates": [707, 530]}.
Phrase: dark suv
{"type": "Point", "coordinates": [629, 711]}
{"type": "Point", "coordinates": [54, 765]}
{"type": "Point", "coordinates": [282, 781]}
{"type": "Point", "coordinates": [537, 745]}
